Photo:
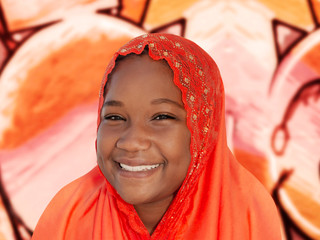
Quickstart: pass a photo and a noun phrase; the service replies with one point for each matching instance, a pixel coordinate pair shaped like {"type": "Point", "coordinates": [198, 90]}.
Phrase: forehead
{"type": "Point", "coordinates": [145, 60]}
{"type": "Point", "coordinates": [141, 74]}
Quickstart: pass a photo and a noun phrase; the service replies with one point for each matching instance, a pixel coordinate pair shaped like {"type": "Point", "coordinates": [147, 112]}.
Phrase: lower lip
{"type": "Point", "coordinates": [138, 174]}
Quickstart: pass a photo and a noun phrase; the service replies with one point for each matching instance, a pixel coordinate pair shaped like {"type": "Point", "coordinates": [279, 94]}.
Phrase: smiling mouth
{"type": "Point", "coordinates": [140, 168]}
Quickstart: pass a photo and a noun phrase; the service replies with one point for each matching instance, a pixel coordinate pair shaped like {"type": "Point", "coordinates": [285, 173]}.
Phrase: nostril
{"type": "Point", "coordinates": [133, 143]}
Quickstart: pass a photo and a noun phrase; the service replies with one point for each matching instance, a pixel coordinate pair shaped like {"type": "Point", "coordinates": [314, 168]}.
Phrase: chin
{"type": "Point", "coordinates": [135, 197]}
{"type": "Point", "coordinates": [133, 200]}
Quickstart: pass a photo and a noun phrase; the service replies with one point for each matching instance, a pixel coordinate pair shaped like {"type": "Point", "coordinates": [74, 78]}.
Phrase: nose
{"type": "Point", "coordinates": [134, 138]}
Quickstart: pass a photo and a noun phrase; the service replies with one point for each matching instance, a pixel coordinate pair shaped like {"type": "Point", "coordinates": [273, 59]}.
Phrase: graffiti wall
{"type": "Point", "coordinates": [52, 58]}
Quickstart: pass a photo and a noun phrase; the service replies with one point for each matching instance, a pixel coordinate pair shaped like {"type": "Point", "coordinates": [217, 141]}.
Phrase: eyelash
{"type": "Point", "coordinates": [114, 118]}
{"type": "Point", "coordinates": [156, 117]}
{"type": "Point", "coordinates": [163, 117]}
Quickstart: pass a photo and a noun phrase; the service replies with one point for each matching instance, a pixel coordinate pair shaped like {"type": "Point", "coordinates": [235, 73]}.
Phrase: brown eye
{"type": "Point", "coordinates": [163, 117]}
{"type": "Point", "coordinates": [114, 118]}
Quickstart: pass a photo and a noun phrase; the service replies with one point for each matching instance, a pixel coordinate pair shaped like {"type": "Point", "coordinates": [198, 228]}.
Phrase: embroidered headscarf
{"type": "Point", "coordinates": [218, 199]}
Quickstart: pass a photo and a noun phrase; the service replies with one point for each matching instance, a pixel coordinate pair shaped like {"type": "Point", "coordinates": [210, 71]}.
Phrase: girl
{"type": "Point", "coordinates": [164, 169]}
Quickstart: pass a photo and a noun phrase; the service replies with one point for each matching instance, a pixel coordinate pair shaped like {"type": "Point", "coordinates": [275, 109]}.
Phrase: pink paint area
{"type": "Point", "coordinates": [34, 172]}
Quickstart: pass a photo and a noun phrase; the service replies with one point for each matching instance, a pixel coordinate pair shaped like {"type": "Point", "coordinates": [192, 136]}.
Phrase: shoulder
{"type": "Point", "coordinates": [74, 200]}
{"type": "Point", "coordinates": [262, 213]}
{"type": "Point", "coordinates": [84, 185]}
{"type": "Point", "coordinates": [248, 186]}
{"type": "Point", "coordinates": [79, 190]}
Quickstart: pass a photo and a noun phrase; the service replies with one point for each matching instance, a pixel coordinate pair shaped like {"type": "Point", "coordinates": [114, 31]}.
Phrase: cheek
{"type": "Point", "coordinates": [176, 147]}
{"type": "Point", "coordinates": [182, 141]}
{"type": "Point", "coordinates": [178, 157]}
{"type": "Point", "coordinates": [105, 138]}
{"type": "Point", "coordinates": [105, 143]}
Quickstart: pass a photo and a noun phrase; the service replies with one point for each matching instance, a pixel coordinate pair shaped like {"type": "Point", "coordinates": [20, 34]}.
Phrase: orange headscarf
{"type": "Point", "coordinates": [218, 199]}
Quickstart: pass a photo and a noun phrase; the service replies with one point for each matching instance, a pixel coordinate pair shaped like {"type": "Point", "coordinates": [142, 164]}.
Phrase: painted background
{"type": "Point", "coordinates": [52, 57]}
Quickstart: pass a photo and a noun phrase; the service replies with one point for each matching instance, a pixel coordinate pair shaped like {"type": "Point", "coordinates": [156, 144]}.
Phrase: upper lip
{"type": "Point", "coordinates": [134, 162]}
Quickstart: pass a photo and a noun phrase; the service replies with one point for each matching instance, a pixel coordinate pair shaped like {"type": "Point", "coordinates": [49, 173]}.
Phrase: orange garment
{"type": "Point", "coordinates": [218, 199]}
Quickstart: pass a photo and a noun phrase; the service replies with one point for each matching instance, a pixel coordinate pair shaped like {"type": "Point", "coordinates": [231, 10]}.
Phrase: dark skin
{"type": "Point", "coordinates": [143, 143]}
{"type": "Point", "coordinates": [151, 213]}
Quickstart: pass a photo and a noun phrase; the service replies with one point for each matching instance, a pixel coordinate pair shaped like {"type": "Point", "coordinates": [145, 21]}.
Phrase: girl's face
{"type": "Point", "coordinates": [143, 143]}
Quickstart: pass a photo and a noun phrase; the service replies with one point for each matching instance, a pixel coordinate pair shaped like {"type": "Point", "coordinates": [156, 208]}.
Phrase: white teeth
{"type": "Point", "coordinates": [138, 168]}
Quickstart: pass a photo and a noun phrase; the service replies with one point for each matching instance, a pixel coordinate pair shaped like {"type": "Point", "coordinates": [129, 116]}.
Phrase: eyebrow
{"type": "Point", "coordinates": [113, 103]}
{"type": "Point", "coordinates": [166, 100]}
